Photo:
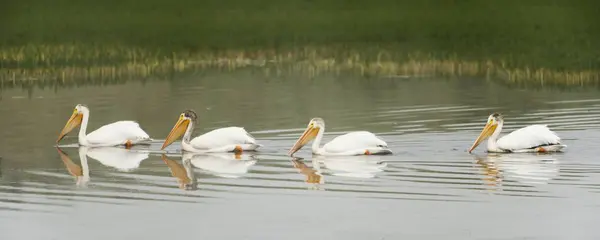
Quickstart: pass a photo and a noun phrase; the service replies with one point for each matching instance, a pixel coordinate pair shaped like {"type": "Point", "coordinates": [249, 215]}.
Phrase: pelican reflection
{"type": "Point", "coordinates": [313, 175]}
{"type": "Point", "coordinates": [184, 173]}
{"type": "Point", "coordinates": [533, 169]}
{"type": "Point", "coordinates": [361, 166]}
{"type": "Point", "coordinates": [119, 158]}
{"type": "Point", "coordinates": [227, 165]}
{"type": "Point", "coordinates": [81, 173]}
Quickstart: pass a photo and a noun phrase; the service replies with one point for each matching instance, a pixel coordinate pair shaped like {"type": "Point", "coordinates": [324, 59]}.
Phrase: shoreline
{"type": "Point", "coordinates": [66, 63]}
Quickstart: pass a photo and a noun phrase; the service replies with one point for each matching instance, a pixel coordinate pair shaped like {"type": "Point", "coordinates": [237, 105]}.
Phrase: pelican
{"type": "Point", "coordinates": [229, 139]}
{"type": "Point", "coordinates": [353, 143]}
{"type": "Point", "coordinates": [533, 138]}
{"type": "Point", "coordinates": [126, 133]}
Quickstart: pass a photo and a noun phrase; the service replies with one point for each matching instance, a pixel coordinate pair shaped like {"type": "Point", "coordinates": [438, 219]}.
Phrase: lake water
{"type": "Point", "coordinates": [430, 188]}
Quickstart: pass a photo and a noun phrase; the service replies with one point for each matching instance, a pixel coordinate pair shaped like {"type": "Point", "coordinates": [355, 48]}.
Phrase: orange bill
{"type": "Point", "coordinates": [309, 134]}
{"type": "Point", "coordinates": [178, 130]}
{"type": "Point", "coordinates": [487, 131]}
{"type": "Point", "coordinates": [73, 122]}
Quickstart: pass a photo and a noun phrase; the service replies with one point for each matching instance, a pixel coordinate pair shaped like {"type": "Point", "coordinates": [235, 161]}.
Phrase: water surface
{"type": "Point", "coordinates": [431, 188]}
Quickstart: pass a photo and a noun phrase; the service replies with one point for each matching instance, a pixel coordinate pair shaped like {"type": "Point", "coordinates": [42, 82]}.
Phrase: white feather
{"type": "Point", "coordinates": [528, 137]}
{"type": "Point", "coordinates": [354, 140]}
{"type": "Point", "coordinates": [117, 133]}
{"type": "Point", "coordinates": [223, 137]}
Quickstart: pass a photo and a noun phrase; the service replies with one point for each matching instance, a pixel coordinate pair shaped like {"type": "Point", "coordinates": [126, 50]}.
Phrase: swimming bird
{"type": "Point", "coordinates": [125, 133]}
{"type": "Point", "coordinates": [533, 138]}
{"type": "Point", "coordinates": [353, 143]}
{"type": "Point", "coordinates": [228, 139]}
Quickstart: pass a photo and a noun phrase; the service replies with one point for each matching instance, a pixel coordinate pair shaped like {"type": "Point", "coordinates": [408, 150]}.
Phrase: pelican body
{"type": "Point", "coordinates": [125, 133]}
{"type": "Point", "coordinates": [228, 139]}
{"type": "Point", "coordinates": [353, 143]}
{"type": "Point", "coordinates": [533, 138]}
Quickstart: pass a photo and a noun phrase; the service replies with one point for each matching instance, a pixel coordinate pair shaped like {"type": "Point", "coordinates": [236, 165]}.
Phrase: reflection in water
{"type": "Point", "coordinates": [491, 173]}
{"type": "Point", "coordinates": [344, 166]}
{"type": "Point", "coordinates": [81, 173]}
{"type": "Point", "coordinates": [228, 165]}
{"type": "Point", "coordinates": [313, 175]}
{"type": "Point", "coordinates": [410, 114]}
{"type": "Point", "coordinates": [532, 169]}
{"type": "Point", "coordinates": [120, 158]}
{"type": "Point", "coordinates": [353, 166]}
{"type": "Point", "coordinates": [184, 174]}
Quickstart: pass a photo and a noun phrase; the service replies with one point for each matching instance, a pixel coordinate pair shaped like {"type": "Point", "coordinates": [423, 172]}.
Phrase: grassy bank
{"type": "Point", "coordinates": [59, 38]}
{"type": "Point", "coordinates": [64, 65]}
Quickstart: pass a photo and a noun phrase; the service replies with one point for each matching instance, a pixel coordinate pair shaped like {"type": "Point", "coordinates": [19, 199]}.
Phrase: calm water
{"type": "Point", "coordinates": [431, 188]}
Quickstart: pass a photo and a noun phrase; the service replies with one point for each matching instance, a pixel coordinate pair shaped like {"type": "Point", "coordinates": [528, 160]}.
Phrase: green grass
{"type": "Point", "coordinates": [553, 35]}
{"type": "Point", "coordinates": [61, 65]}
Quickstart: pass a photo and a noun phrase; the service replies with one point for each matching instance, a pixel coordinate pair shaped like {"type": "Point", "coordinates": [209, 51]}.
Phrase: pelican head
{"type": "Point", "coordinates": [74, 121]}
{"type": "Point", "coordinates": [490, 127]}
{"type": "Point", "coordinates": [186, 118]}
{"type": "Point", "coordinates": [313, 128]}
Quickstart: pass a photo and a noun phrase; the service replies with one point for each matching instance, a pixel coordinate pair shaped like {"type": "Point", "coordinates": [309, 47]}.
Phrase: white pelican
{"type": "Point", "coordinates": [229, 139]}
{"type": "Point", "coordinates": [353, 143]}
{"type": "Point", "coordinates": [126, 133]}
{"type": "Point", "coordinates": [533, 138]}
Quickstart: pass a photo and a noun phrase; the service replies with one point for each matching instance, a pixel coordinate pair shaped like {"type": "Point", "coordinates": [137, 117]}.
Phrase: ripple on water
{"type": "Point", "coordinates": [429, 164]}
{"type": "Point", "coordinates": [205, 179]}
